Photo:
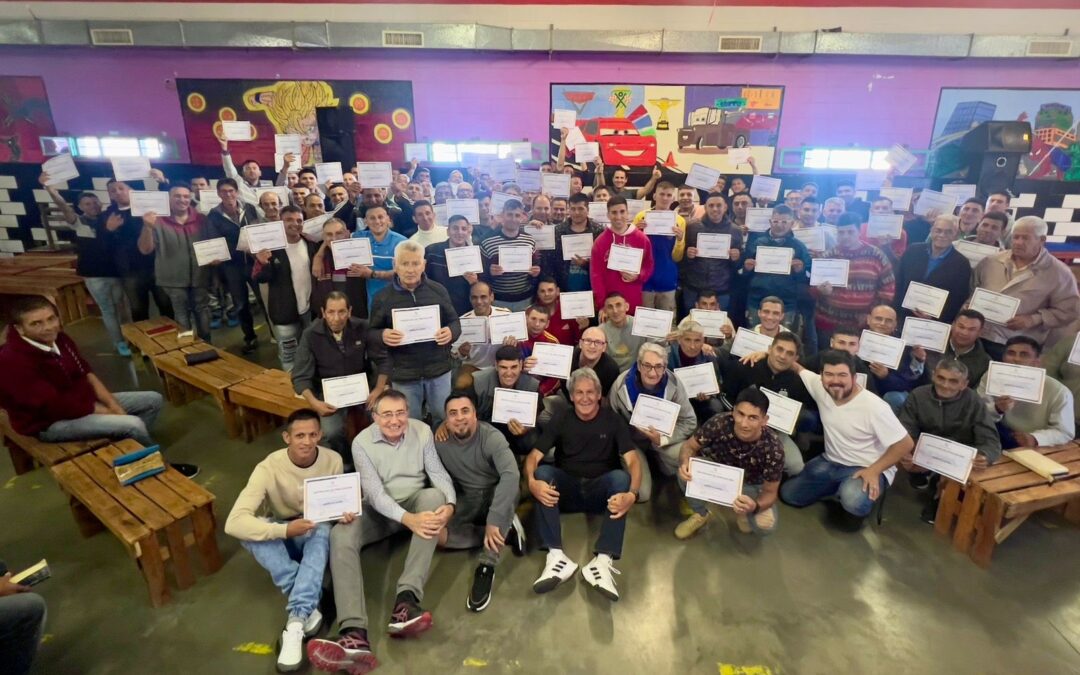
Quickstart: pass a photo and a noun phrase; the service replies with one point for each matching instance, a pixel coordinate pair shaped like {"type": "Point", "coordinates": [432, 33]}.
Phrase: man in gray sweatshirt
{"type": "Point", "coordinates": [485, 474]}
{"type": "Point", "coordinates": [397, 463]}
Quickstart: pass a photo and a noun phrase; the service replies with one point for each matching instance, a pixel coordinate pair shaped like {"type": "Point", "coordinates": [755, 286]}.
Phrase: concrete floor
{"type": "Point", "coordinates": [808, 600]}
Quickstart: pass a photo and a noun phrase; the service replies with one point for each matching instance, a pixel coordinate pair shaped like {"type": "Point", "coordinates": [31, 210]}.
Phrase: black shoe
{"type": "Point", "coordinates": [919, 481]}
{"type": "Point", "coordinates": [480, 595]}
{"type": "Point", "coordinates": [408, 618]}
{"type": "Point", "coordinates": [186, 470]}
{"type": "Point", "coordinates": [249, 346]}
{"type": "Point", "coordinates": [515, 537]}
{"type": "Point", "coordinates": [929, 512]}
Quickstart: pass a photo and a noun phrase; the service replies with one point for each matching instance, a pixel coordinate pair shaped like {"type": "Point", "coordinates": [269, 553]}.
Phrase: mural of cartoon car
{"type": "Point", "coordinates": [714, 127]}
{"type": "Point", "coordinates": [620, 141]}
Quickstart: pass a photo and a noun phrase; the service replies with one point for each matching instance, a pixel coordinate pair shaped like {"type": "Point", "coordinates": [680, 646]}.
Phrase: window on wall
{"type": "Point", "coordinates": [106, 147]}
{"type": "Point", "coordinates": [845, 159]}
{"type": "Point", "coordinates": [453, 153]}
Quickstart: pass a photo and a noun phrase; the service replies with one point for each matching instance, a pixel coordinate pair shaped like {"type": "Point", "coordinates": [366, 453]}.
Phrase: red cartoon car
{"type": "Point", "coordinates": [620, 142]}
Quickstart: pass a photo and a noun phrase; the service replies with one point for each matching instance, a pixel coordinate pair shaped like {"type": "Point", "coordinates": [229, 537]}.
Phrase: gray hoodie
{"type": "Point", "coordinates": [483, 462]}
{"type": "Point", "coordinates": [674, 392]}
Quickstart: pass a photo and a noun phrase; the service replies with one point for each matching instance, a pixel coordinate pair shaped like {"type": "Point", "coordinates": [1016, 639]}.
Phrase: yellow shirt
{"type": "Point", "coordinates": [680, 242]}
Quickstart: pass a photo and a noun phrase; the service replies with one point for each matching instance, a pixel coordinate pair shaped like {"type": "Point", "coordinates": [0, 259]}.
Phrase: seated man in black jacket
{"type": "Point", "coordinates": [288, 273]}
{"type": "Point", "coordinates": [334, 346]}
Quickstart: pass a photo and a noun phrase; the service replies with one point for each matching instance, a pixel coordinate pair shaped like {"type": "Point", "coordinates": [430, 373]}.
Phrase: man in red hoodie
{"type": "Point", "coordinates": [49, 390]}
{"type": "Point", "coordinates": [620, 234]}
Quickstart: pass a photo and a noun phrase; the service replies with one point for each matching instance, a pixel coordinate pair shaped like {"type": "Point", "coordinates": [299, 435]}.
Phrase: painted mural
{"type": "Point", "coordinates": [382, 114]}
{"type": "Point", "coordinates": [24, 117]}
{"type": "Point", "coordinates": [1053, 114]}
{"type": "Point", "coordinates": [674, 126]}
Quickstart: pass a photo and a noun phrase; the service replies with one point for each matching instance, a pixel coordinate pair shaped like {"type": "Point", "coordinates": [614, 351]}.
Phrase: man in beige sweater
{"type": "Point", "coordinates": [268, 519]}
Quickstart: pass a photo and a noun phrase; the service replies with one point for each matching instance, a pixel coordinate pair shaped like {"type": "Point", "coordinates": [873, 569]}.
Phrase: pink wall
{"type": "Point", "coordinates": [501, 96]}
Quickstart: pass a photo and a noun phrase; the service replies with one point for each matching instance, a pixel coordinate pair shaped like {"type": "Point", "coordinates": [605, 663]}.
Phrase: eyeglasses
{"type": "Point", "coordinates": [651, 367]}
{"type": "Point", "coordinates": [393, 414]}
{"type": "Point", "coordinates": [593, 343]}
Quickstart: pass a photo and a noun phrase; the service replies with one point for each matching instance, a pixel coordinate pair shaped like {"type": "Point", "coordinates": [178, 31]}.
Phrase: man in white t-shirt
{"type": "Point", "coordinates": [863, 441]}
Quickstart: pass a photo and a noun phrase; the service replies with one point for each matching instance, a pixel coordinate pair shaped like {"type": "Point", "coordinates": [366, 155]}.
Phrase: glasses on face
{"type": "Point", "coordinates": [651, 367]}
{"type": "Point", "coordinates": [393, 414]}
{"type": "Point", "coordinates": [593, 343]}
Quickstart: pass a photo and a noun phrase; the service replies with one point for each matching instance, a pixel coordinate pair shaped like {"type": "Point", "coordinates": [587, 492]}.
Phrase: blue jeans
{"type": "Point", "coordinates": [288, 336]}
{"type": "Point", "coordinates": [690, 298]}
{"type": "Point", "coordinates": [895, 399]}
{"type": "Point", "coordinates": [108, 293]}
{"type": "Point", "coordinates": [188, 302]}
{"type": "Point", "coordinates": [434, 390]}
{"type": "Point", "coordinates": [297, 567]}
{"type": "Point", "coordinates": [333, 430]}
{"type": "Point", "coordinates": [236, 283]}
{"type": "Point", "coordinates": [142, 407]}
{"type": "Point", "coordinates": [702, 507]}
{"type": "Point", "coordinates": [22, 621]}
{"type": "Point", "coordinates": [513, 306]}
{"type": "Point", "coordinates": [582, 495]}
{"type": "Point", "coordinates": [821, 479]}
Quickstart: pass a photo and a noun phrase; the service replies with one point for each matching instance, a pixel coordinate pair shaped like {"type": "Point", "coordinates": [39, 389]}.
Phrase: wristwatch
{"type": "Point", "coordinates": [634, 492]}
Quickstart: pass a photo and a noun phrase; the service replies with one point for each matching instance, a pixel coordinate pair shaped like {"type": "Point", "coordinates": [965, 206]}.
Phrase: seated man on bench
{"type": "Point", "coordinates": [49, 390]}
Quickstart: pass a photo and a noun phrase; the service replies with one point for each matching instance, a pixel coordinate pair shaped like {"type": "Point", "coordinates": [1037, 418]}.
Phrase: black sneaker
{"type": "Point", "coordinates": [929, 512]}
{"type": "Point", "coordinates": [186, 470]}
{"type": "Point", "coordinates": [919, 481]}
{"type": "Point", "coordinates": [515, 537]}
{"type": "Point", "coordinates": [408, 618]}
{"type": "Point", "coordinates": [249, 346]}
{"type": "Point", "coordinates": [480, 595]}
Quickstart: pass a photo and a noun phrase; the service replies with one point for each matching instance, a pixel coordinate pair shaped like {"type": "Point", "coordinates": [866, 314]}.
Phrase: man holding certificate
{"type": "Point", "coordinates": [649, 375]}
{"type": "Point", "coordinates": [618, 328]}
{"type": "Point", "coordinates": [226, 220]}
{"type": "Point", "coordinates": [572, 266]}
{"type": "Point", "coordinates": [963, 345]}
{"type": "Point", "coordinates": [397, 461]}
{"type": "Point", "coordinates": [384, 242]}
{"type": "Point", "coordinates": [566, 330]}
{"type": "Point", "coordinates": [783, 286]}
{"type": "Point", "coordinates": [936, 264]}
{"type": "Point", "coordinates": [1022, 422]}
{"type": "Point", "coordinates": [444, 258]}
{"type": "Point", "coordinates": [587, 475]}
{"type": "Point", "coordinates": [688, 351]}
{"type": "Point", "coordinates": [415, 319]}
{"type": "Point", "coordinates": [513, 289]}
{"type": "Point", "coordinates": [1043, 285]}
{"type": "Point", "coordinates": [292, 548]}
{"type": "Point", "coordinates": [740, 439]}
{"type": "Point", "coordinates": [473, 353]}
{"type": "Point", "coordinates": [666, 231]}
{"type": "Point", "coordinates": [349, 280]}
{"type": "Point", "coordinates": [705, 267]}
{"type": "Point", "coordinates": [507, 373]}
{"type": "Point", "coordinates": [609, 269]}
{"type": "Point", "coordinates": [892, 384]}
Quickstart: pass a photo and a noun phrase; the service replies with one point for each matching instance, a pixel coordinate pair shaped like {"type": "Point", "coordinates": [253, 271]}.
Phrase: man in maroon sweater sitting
{"type": "Point", "coordinates": [49, 390]}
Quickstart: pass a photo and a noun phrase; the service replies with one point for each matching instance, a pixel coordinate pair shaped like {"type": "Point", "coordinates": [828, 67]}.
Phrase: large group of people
{"type": "Point", "coordinates": [447, 320]}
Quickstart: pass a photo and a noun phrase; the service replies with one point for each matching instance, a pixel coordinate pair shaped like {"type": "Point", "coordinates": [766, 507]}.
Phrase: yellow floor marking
{"type": "Point", "coordinates": [474, 663]}
{"type": "Point", "coordinates": [729, 669]}
{"type": "Point", "coordinates": [256, 648]}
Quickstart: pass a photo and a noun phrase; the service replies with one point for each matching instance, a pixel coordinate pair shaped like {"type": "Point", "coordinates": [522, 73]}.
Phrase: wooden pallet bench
{"type": "Point", "coordinates": [161, 519]}
{"type": "Point", "coordinates": [28, 453]}
{"type": "Point", "coordinates": [997, 500]}
{"type": "Point", "coordinates": [67, 292]}
{"type": "Point", "coordinates": [142, 338]}
{"type": "Point", "coordinates": [264, 401]}
{"type": "Point", "coordinates": [184, 383]}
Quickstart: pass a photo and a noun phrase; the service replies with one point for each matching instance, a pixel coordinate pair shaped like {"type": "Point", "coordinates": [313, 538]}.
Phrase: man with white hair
{"type": "Point", "coordinates": [1043, 284]}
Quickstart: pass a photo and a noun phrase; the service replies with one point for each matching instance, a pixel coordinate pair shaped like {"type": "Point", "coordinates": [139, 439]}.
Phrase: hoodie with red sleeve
{"type": "Point", "coordinates": [41, 387]}
{"type": "Point", "coordinates": [605, 281]}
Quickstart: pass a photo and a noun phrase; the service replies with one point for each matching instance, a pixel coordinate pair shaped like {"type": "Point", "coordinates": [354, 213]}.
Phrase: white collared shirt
{"type": "Point", "coordinates": [43, 347]}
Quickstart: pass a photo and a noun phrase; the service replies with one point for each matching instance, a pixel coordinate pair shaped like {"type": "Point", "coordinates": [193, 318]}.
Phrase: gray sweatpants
{"type": "Point", "coordinates": [346, 541]}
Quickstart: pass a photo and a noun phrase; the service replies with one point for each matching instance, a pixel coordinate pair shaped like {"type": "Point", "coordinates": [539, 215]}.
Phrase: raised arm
{"type": "Point", "coordinates": [70, 217]}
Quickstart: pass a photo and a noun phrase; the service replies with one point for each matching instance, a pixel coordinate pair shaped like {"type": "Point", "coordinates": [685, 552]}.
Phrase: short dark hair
{"type": "Point", "coordinates": [227, 182]}
{"type": "Point", "coordinates": [537, 307]}
{"type": "Point", "coordinates": [179, 185]}
{"type": "Point", "coordinates": [249, 161]}
{"type": "Point", "coordinates": [337, 185]}
{"type": "Point", "coordinates": [754, 397]}
{"type": "Point", "coordinates": [835, 357]}
{"type": "Point", "coordinates": [707, 293]}
{"type": "Point", "coordinates": [782, 210]}
{"type": "Point", "coordinates": [1024, 340]}
{"type": "Point", "coordinates": [974, 200]}
{"type": "Point", "coordinates": [513, 205]}
{"type": "Point", "coordinates": [849, 219]}
{"type": "Point", "coordinates": [844, 182]}
{"type": "Point", "coordinates": [578, 198]}
{"type": "Point", "coordinates": [614, 294]}
{"type": "Point", "coordinates": [301, 415]}
{"type": "Point", "coordinates": [972, 314]}
{"type": "Point", "coordinates": [999, 217]}
{"type": "Point", "coordinates": [508, 353]}
{"type": "Point", "coordinates": [421, 202]}
{"type": "Point", "coordinates": [453, 219]}
{"type": "Point", "coordinates": [558, 199]}
{"type": "Point", "coordinates": [847, 329]}
{"type": "Point", "coordinates": [461, 393]}
{"type": "Point", "coordinates": [810, 200]}
{"type": "Point", "coordinates": [788, 336]}
{"type": "Point", "coordinates": [389, 394]}
{"type": "Point", "coordinates": [291, 209]}
{"type": "Point", "coordinates": [24, 304]}
{"type": "Point", "coordinates": [547, 279]}
{"type": "Point", "coordinates": [808, 184]}
{"type": "Point", "coordinates": [742, 193]}
{"type": "Point", "coordinates": [616, 201]}
{"type": "Point", "coordinates": [1003, 193]}
{"type": "Point", "coordinates": [714, 195]}
{"type": "Point", "coordinates": [336, 295]}
{"type": "Point", "coordinates": [307, 169]}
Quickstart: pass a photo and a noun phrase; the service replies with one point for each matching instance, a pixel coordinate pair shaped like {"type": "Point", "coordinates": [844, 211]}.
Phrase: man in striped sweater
{"type": "Point", "coordinates": [870, 281]}
{"type": "Point", "coordinates": [513, 290]}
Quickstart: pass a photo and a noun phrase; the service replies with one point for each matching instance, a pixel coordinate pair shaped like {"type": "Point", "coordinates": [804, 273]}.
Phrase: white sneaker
{"type": "Point", "coordinates": [517, 542]}
{"type": "Point", "coordinates": [313, 623]}
{"type": "Point", "coordinates": [291, 656]}
{"type": "Point", "coordinates": [598, 575]}
{"type": "Point", "coordinates": [557, 569]}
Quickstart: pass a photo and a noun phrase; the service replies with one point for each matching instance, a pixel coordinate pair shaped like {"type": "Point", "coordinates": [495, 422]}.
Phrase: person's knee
{"type": "Point", "coordinates": [790, 493]}
{"type": "Point", "coordinates": [854, 498]}
{"type": "Point", "coordinates": [430, 499]}
{"type": "Point", "coordinates": [545, 473]}
{"type": "Point", "coordinates": [346, 536]}
{"type": "Point", "coordinates": [619, 481]}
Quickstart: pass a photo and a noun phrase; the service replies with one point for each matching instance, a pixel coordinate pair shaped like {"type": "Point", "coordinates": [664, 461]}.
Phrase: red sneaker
{"type": "Point", "coordinates": [350, 653]}
{"type": "Point", "coordinates": [408, 619]}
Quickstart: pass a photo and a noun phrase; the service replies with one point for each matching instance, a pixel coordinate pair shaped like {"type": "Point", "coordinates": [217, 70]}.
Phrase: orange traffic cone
{"type": "Point", "coordinates": [670, 161]}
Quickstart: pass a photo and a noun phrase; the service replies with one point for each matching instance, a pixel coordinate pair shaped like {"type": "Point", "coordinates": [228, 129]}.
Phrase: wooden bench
{"type": "Point", "coordinates": [184, 383]}
{"type": "Point", "coordinates": [157, 519]}
{"type": "Point", "coordinates": [28, 453]}
{"type": "Point", "coordinates": [998, 499]}
{"type": "Point", "coordinates": [67, 292]}
{"type": "Point", "coordinates": [33, 261]}
{"type": "Point", "coordinates": [139, 336]}
{"type": "Point", "coordinates": [264, 401]}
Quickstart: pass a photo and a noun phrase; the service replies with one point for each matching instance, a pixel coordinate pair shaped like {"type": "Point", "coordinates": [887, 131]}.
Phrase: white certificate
{"type": "Point", "coordinates": [286, 144]}
{"type": "Point", "coordinates": [996, 307]}
{"type": "Point", "coordinates": [351, 252]}
{"type": "Point", "coordinates": [713, 482]}
{"type": "Point", "coordinates": [586, 152]}
{"type": "Point", "coordinates": [783, 411]}
{"type": "Point", "coordinates": [515, 258]}
{"type": "Point", "coordinates": [543, 237]}
{"type": "Point", "coordinates": [346, 391]}
{"type": "Point", "coordinates": [652, 323]}
{"type": "Point", "coordinates": [237, 131]}
{"type": "Point", "coordinates": [747, 342]}
{"type": "Point", "coordinates": [211, 250]}
{"type": "Point", "coordinates": [576, 305]}
{"type": "Point", "coordinates": [577, 245]}
{"type": "Point", "coordinates": [860, 379]}
{"type": "Point", "coordinates": [812, 237]}
{"type": "Point", "coordinates": [529, 181]}
{"type": "Point", "coordinates": [419, 324]}
{"type": "Point", "coordinates": [60, 169]}
{"type": "Point", "coordinates": [758, 220]}
{"type": "Point", "coordinates": [208, 200]}
{"type": "Point", "coordinates": [374, 174]}
{"type": "Point", "coordinates": [765, 187]}
{"type": "Point", "coordinates": [712, 320]}
{"type": "Point", "coordinates": [625, 259]}
{"type": "Point", "coordinates": [417, 151]}
{"type": "Point", "coordinates": [886, 225]}
{"type": "Point", "coordinates": [502, 326]}
{"type": "Point", "coordinates": [831, 270]}
{"type": "Point", "coordinates": [1074, 353]}
{"type": "Point", "coordinates": [598, 212]}
{"type": "Point", "coordinates": [473, 330]}
{"type": "Point", "coordinates": [329, 172]}
{"type": "Point", "coordinates": [926, 299]}
{"type": "Point", "coordinates": [636, 206]}
{"type": "Point", "coordinates": [773, 259]}
{"type": "Point", "coordinates": [974, 251]}
{"type": "Point", "coordinates": [948, 458]}
{"type": "Point", "coordinates": [470, 208]}
{"type": "Point", "coordinates": [900, 158]}
{"type": "Point", "coordinates": [279, 163]}
{"type": "Point", "coordinates": [503, 169]}
{"type": "Point", "coordinates": [511, 404]}
{"type": "Point", "coordinates": [702, 177]}
{"type": "Point", "coordinates": [660, 222]}
{"type": "Point", "coordinates": [522, 150]}
{"type": "Point", "coordinates": [313, 226]}
{"type": "Point", "coordinates": [869, 180]}
{"type": "Point", "coordinates": [932, 335]}
{"type": "Point", "coordinates": [499, 199]}
{"type": "Point", "coordinates": [146, 202]}
{"type": "Point", "coordinates": [552, 360]}
{"type": "Point", "coordinates": [931, 199]}
{"type": "Point", "coordinates": [881, 349]}
{"type": "Point", "coordinates": [657, 413]}
{"type": "Point", "coordinates": [564, 119]}
{"type": "Point", "coordinates": [266, 236]}
{"type": "Point", "coordinates": [556, 184]}
{"type": "Point", "coordinates": [463, 259]}
{"type": "Point", "coordinates": [900, 197]}
{"type": "Point", "coordinates": [714, 245]}
{"type": "Point", "coordinates": [331, 497]}
{"type": "Point", "coordinates": [960, 191]}
{"type": "Point", "coordinates": [1022, 383]}
{"type": "Point", "coordinates": [699, 379]}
